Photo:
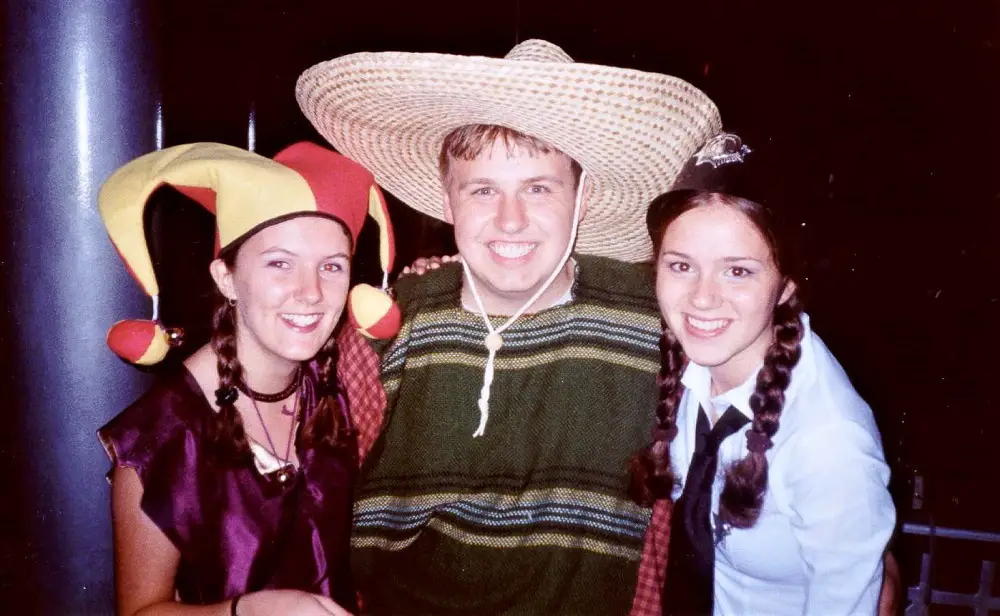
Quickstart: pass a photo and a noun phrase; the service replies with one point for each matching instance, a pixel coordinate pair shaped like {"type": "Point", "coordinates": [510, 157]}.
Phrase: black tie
{"type": "Point", "coordinates": [691, 560]}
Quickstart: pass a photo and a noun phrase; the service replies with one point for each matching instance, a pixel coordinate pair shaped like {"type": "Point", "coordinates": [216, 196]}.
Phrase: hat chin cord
{"type": "Point", "coordinates": [494, 340]}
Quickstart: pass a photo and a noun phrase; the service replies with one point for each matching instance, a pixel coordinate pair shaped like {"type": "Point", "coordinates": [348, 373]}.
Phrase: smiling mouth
{"type": "Point", "coordinates": [301, 320]}
{"type": "Point", "coordinates": [512, 250]}
{"type": "Point", "coordinates": [706, 328]}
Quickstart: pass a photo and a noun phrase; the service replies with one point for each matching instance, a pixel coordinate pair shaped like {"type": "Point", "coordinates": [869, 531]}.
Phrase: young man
{"type": "Point", "coordinates": [523, 378]}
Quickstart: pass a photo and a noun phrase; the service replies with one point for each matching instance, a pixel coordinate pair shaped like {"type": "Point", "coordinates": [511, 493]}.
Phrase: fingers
{"type": "Point", "coordinates": [423, 265]}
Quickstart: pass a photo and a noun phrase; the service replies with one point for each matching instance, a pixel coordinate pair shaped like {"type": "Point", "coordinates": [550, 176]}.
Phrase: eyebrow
{"type": "Point", "coordinates": [545, 178]}
{"type": "Point", "coordinates": [472, 181]}
{"type": "Point", "coordinates": [532, 180]}
{"type": "Point", "coordinates": [277, 250]}
{"type": "Point", "coordinates": [724, 259]}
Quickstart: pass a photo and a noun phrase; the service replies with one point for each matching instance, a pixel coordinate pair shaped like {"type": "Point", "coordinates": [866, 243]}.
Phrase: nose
{"type": "Point", "coordinates": [705, 294]}
{"type": "Point", "coordinates": [512, 215]}
{"type": "Point", "coordinates": [310, 289]}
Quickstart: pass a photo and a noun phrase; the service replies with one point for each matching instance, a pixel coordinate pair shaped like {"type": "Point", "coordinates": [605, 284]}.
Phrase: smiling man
{"type": "Point", "coordinates": [523, 378]}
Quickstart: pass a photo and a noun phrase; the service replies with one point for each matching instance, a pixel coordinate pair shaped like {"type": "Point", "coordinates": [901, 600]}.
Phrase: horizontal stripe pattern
{"type": "Point", "coordinates": [518, 516]}
{"type": "Point", "coordinates": [543, 492]}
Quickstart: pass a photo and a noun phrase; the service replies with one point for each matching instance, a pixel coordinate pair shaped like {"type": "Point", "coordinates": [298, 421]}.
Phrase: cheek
{"type": "Point", "coordinates": [269, 292]}
{"type": "Point", "coordinates": [470, 222]}
{"type": "Point", "coordinates": [336, 291]}
{"type": "Point", "coordinates": [753, 301]}
{"type": "Point", "coordinates": [557, 218]}
{"type": "Point", "coordinates": [669, 294]}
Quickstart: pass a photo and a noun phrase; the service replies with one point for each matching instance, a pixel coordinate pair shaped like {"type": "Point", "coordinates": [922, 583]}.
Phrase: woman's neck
{"type": "Point", "coordinates": [267, 377]}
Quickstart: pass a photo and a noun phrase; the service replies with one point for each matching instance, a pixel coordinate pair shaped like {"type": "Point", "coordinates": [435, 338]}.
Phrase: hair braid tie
{"type": "Point", "coordinates": [758, 442]}
{"type": "Point", "coordinates": [665, 434]}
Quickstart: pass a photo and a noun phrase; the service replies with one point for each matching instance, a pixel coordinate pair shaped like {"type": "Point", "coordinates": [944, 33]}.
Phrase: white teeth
{"type": "Point", "coordinates": [705, 326]}
{"type": "Point", "coordinates": [511, 250]}
{"type": "Point", "coordinates": [301, 320]}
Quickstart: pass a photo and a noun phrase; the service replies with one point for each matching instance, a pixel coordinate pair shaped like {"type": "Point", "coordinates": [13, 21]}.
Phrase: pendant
{"type": "Point", "coordinates": [285, 474]}
{"type": "Point", "coordinates": [493, 342]}
{"type": "Point", "coordinates": [287, 411]}
{"type": "Point", "coordinates": [722, 529]}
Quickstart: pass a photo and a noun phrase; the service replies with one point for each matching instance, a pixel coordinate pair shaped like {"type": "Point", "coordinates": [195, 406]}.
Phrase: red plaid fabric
{"type": "Point", "coordinates": [358, 369]}
{"type": "Point", "coordinates": [653, 565]}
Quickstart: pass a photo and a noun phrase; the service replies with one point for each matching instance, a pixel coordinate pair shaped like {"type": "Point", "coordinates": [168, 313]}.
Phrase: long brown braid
{"type": "Point", "coordinates": [746, 479]}
{"type": "Point", "coordinates": [651, 477]}
{"type": "Point", "coordinates": [226, 434]}
{"type": "Point", "coordinates": [326, 427]}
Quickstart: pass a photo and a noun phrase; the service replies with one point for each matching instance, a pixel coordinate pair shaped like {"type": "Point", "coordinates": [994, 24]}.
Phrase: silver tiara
{"type": "Point", "coordinates": [722, 149]}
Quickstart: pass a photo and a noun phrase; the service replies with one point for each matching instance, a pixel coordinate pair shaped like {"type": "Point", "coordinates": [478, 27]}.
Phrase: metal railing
{"type": "Point", "coordinates": [922, 596]}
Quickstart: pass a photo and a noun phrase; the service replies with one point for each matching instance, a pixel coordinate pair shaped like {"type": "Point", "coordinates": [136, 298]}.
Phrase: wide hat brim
{"type": "Point", "coordinates": [631, 131]}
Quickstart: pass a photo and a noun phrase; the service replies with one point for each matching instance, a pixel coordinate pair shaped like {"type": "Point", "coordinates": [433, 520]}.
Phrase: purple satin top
{"type": "Point", "coordinates": [237, 531]}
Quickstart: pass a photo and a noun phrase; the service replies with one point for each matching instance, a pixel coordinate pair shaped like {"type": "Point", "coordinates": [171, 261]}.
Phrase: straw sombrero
{"type": "Point", "coordinates": [631, 131]}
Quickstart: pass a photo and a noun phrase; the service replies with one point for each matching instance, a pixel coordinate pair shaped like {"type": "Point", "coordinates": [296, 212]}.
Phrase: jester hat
{"type": "Point", "coordinates": [246, 192]}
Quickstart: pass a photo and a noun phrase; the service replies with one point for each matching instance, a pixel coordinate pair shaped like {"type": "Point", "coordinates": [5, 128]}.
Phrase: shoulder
{"type": "Point", "coordinates": [170, 410]}
{"type": "Point", "coordinates": [604, 280]}
{"type": "Point", "coordinates": [441, 285]}
{"type": "Point", "coordinates": [822, 391]}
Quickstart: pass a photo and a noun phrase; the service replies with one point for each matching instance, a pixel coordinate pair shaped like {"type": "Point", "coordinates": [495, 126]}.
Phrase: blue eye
{"type": "Point", "coordinates": [485, 191]}
{"type": "Point", "coordinates": [538, 189]}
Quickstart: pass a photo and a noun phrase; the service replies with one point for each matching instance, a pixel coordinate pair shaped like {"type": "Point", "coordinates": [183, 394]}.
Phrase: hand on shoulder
{"type": "Point", "coordinates": [425, 264]}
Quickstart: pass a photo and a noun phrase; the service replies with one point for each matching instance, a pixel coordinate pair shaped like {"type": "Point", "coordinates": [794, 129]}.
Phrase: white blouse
{"type": "Point", "coordinates": [827, 516]}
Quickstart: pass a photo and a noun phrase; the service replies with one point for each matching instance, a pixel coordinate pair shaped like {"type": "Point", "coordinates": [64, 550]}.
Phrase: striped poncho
{"type": "Point", "coordinates": [532, 517]}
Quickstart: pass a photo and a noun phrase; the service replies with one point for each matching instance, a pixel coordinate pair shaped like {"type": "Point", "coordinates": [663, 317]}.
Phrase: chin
{"type": "Point", "coordinates": [301, 350]}
{"type": "Point", "coordinates": [704, 355]}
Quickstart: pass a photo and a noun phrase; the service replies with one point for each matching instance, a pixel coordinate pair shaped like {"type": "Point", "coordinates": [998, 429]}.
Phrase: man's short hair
{"type": "Point", "coordinates": [469, 141]}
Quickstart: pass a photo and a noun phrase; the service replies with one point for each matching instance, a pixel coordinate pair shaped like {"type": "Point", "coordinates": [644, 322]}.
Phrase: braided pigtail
{"type": "Point", "coordinates": [226, 433]}
{"type": "Point", "coordinates": [326, 427]}
{"type": "Point", "coordinates": [651, 477]}
{"type": "Point", "coordinates": [746, 480]}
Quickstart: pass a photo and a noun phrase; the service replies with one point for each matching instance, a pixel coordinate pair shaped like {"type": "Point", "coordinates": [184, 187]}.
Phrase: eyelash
{"type": "Point", "coordinates": [536, 189]}
{"type": "Point", "coordinates": [746, 272]}
{"type": "Point", "coordinates": [329, 267]}
{"type": "Point", "coordinates": [680, 267]}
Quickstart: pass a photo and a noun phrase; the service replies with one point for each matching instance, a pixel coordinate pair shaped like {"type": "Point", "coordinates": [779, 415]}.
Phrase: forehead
{"type": "Point", "coordinates": [715, 231]}
{"type": "Point", "coordinates": [302, 235]}
{"type": "Point", "coordinates": [502, 159]}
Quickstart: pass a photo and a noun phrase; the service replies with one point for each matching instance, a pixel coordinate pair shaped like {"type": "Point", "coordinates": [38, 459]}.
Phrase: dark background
{"type": "Point", "coordinates": [887, 110]}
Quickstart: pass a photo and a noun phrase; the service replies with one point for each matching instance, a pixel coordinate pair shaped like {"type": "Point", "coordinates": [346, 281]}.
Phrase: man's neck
{"type": "Point", "coordinates": [497, 304]}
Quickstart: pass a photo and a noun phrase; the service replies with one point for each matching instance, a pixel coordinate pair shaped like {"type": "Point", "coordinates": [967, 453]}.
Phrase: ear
{"type": "Point", "coordinates": [223, 278]}
{"type": "Point", "coordinates": [449, 217]}
{"type": "Point", "coordinates": [583, 202]}
{"type": "Point", "coordinates": [787, 292]}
